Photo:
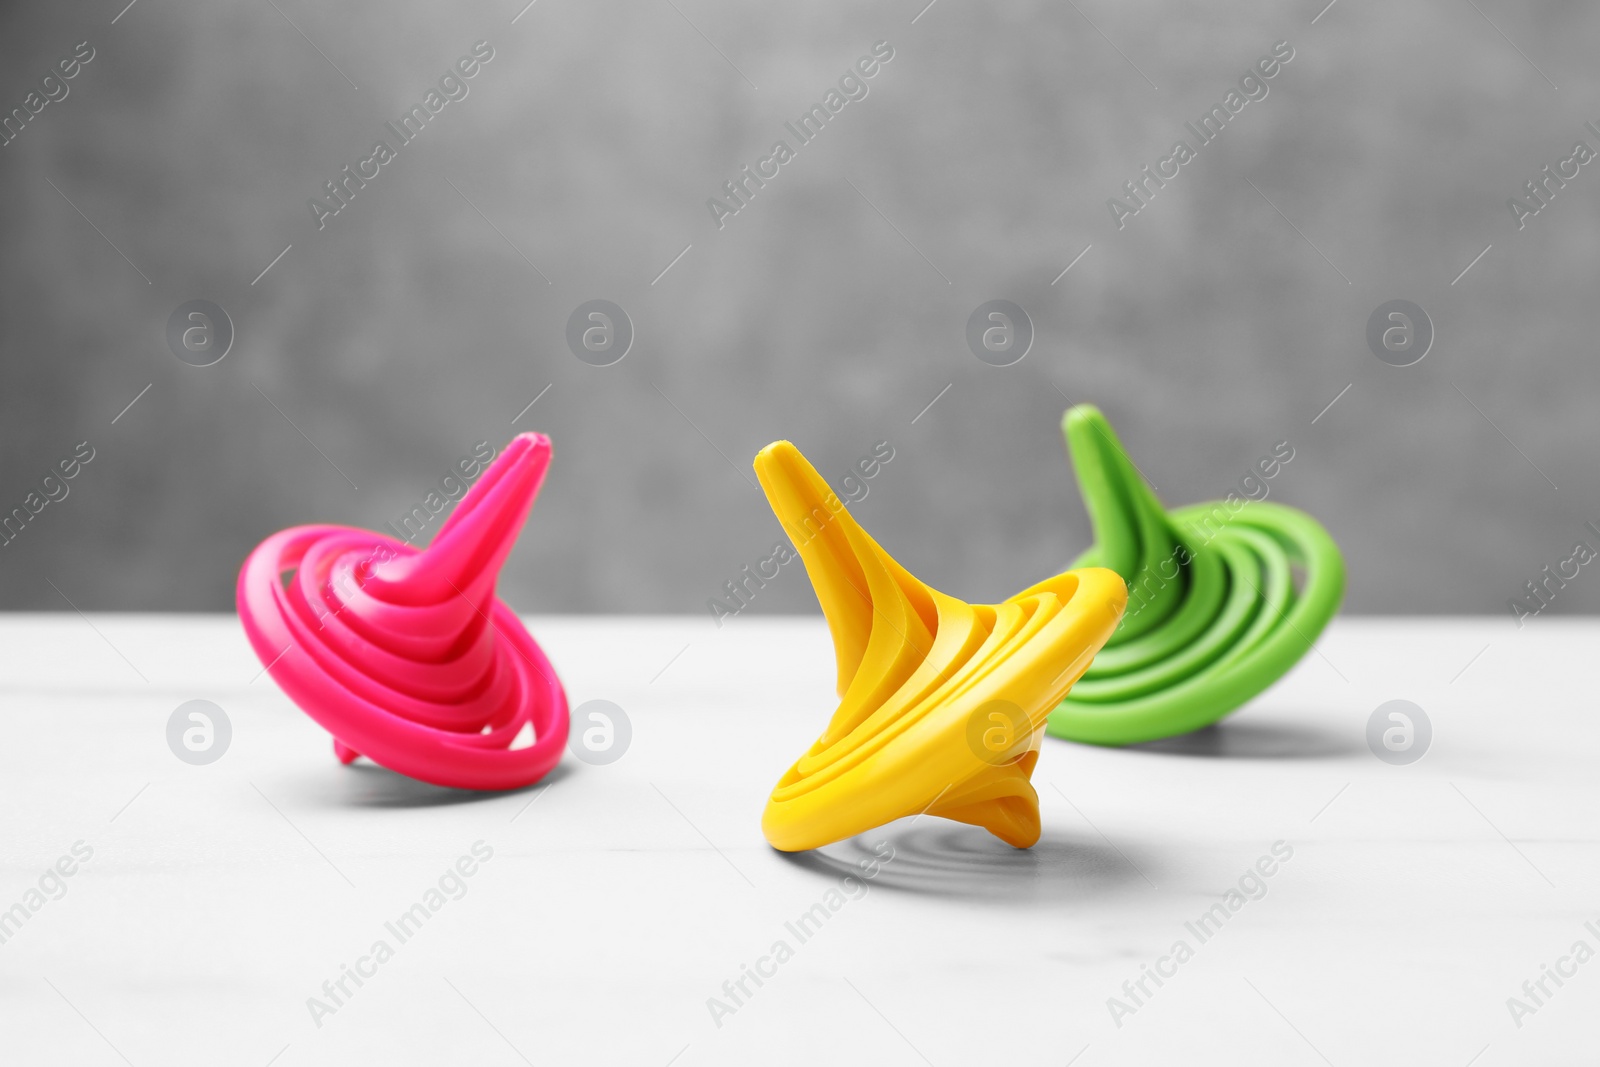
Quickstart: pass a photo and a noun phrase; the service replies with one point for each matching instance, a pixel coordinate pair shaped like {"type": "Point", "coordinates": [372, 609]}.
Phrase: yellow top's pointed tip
{"type": "Point", "coordinates": [776, 452]}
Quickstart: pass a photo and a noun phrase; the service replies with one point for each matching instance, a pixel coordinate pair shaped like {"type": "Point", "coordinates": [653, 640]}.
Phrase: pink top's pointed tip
{"type": "Point", "coordinates": [536, 442]}
{"type": "Point", "coordinates": [525, 446]}
{"type": "Point", "coordinates": [478, 534]}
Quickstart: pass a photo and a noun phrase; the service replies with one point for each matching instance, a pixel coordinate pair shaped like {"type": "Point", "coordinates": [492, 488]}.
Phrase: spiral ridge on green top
{"type": "Point", "coordinates": [1215, 613]}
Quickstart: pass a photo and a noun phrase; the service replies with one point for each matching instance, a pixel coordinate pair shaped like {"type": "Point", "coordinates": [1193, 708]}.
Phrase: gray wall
{"type": "Point", "coordinates": [1209, 328]}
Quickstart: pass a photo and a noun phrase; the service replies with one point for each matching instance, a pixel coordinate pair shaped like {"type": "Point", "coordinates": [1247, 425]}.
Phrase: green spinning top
{"type": "Point", "coordinates": [1215, 614]}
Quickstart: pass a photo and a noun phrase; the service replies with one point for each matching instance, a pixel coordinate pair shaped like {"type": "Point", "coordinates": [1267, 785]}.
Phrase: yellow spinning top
{"type": "Point", "coordinates": [942, 703]}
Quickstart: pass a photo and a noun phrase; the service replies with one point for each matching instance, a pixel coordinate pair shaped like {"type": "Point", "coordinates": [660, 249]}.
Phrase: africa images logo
{"type": "Point", "coordinates": [452, 87]}
{"type": "Point", "coordinates": [1252, 86]}
{"type": "Point", "coordinates": [852, 86]}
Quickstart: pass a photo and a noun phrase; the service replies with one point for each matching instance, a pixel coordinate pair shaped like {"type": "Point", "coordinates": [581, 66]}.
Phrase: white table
{"type": "Point", "coordinates": [617, 901]}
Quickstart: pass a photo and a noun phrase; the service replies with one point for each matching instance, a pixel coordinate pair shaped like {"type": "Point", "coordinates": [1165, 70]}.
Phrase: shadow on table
{"type": "Point", "coordinates": [952, 860]}
{"type": "Point", "coordinates": [1244, 739]}
{"type": "Point", "coordinates": [364, 784]}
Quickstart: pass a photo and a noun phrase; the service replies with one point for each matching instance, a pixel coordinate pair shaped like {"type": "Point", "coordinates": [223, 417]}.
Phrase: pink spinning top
{"type": "Point", "coordinates": [406, 655]}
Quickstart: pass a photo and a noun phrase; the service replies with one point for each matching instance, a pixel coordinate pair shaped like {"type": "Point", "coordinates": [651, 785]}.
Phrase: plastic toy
{"type": "Point", "coordinates": [942, 703]}
{"type": "Point", "coordinates": [1214, 613]}
{"type": "Point", "coordinates": [406, 655]}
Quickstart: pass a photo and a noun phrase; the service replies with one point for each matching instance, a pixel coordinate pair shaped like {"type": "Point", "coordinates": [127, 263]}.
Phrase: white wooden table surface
{"type": "Point", "coordinates": [620, 899]}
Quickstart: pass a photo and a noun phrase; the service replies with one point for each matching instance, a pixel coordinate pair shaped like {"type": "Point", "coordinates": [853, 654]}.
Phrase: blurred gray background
{"type": "Point", "coordinates": [1222, 319]}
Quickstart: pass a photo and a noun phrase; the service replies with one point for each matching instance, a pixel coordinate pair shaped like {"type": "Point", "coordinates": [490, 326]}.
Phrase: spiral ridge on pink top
{"type": "Point", "coordinates": [406, 655]}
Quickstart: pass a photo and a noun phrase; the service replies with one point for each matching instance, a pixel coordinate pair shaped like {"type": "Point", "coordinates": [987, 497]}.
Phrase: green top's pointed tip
{"type": "Point", "coordinates": [1082, 418]}
{"type": "Point", "coordinates": [1093, 444]}
{"type": "Point", "coordinates": [1129, 522]}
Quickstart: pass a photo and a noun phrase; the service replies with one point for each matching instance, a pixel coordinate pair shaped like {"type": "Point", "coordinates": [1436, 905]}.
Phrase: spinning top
{"type": "Point", "coordinates": [1215, 614]}
{"type": "Point", "coordinates": [942, 703]}
{"type": "Point", "coordinates": [406, 655]}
